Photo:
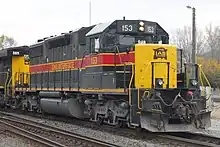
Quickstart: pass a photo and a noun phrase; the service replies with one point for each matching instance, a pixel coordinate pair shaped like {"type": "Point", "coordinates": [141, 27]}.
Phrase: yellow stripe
{"type": "Point", "coordinates": [107, 65]}
{"type": "Point", "coordinates": [73, 89]}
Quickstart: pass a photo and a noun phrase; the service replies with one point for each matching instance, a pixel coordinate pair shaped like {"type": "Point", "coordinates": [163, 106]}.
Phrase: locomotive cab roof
{"type": "Point", "coordinates": [99, 28]}
{"type": "Point", "coordinates": [14, 51]}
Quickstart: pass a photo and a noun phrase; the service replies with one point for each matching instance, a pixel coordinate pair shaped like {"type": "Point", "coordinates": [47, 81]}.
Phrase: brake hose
{"type": "Point", "coordinates": [178, 95]}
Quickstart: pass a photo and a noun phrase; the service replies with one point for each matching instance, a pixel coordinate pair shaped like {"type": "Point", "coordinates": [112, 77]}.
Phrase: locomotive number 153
{"type": "Point", "coordinates": [127, 28]}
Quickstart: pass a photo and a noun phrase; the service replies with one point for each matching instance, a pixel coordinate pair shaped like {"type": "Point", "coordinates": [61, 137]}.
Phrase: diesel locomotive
{"type": "Point", "coordinates": [121, 73]}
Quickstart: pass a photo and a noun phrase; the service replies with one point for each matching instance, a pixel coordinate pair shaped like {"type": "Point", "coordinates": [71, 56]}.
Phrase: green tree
{"type": "Point", "coordinates": [6, 41]}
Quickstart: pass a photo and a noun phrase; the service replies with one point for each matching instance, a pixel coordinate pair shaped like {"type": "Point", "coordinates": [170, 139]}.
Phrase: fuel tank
{"type": "Point", "coordinates": [49, 94]}
{"type": "Point", "coordinates": [68, 107]}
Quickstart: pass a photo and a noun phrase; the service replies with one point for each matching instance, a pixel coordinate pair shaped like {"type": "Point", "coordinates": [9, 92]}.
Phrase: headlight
{"type": "Point", "coordinates": [141, 29]}
{"type": "Point", "coordinates": [194, 82]}
{"type": "Point", "coordinates": [141, 23]}
{"type": "Point", "coordinates": [160, 82]}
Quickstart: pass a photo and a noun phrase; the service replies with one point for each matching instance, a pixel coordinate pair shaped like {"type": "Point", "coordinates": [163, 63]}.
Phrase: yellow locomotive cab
{"type": "Point", "coordinates": [151, 58]}
{"type": "Point", "coordinates": [20, 70]}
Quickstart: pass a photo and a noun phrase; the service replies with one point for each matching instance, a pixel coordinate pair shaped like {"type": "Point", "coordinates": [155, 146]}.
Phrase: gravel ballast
{"type": "Point", "coordinates": [105, 136]}
{"type": "Point", "coordinates": [108, 137]}
{"type": "Point", "coordinates": [214, 130]}
{"type": "Point", "coordinates": [8, 140]}
{"type": "Point", "coordinates": [117, 139]}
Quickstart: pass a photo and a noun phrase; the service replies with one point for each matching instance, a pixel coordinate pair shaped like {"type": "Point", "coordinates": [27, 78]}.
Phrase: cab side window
{"type": "Point", "coordinates": [165, 40]}
{"type": "Point", "coordinates": [94, 44]}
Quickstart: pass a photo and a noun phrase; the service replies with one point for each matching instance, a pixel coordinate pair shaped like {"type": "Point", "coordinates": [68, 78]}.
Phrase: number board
{"type": "Point", "coordinates": [126, 26]}
{"type": "Point", "coordinates": [150, 28]}
{"type": "Point", "coordinates": [17, 53]}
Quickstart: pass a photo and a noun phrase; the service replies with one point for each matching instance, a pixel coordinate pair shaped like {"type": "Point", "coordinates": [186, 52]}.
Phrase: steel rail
{"type": "Point", "coordinates": [188, 138]}
{"type": "Point", "coordinates": [192, 141]}
{"type": "Point", "coordinates": [62, 132]}
{"type": "Point", "coordinates": [29, 135]}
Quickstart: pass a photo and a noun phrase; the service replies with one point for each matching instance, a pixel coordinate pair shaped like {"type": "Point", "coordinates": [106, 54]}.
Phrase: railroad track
{"type": "Point", "coordinates": [48, 135]}
{"type": "Point", "coordinates": [14, 130]}
{"type": "Point", "coordinates": [193, 139]}
{"type": "Point", "coordinates": [190, 139]}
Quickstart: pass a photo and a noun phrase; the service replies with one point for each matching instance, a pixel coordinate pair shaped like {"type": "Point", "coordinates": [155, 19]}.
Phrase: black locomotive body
{"type": "Point", "coordinates": [121, 73]}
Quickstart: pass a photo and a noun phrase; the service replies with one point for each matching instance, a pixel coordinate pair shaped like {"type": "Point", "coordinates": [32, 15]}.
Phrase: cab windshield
{"type": "Point", "coordinates": [126, 40]}
{"type": "Point", "coordinates": [130, 40]}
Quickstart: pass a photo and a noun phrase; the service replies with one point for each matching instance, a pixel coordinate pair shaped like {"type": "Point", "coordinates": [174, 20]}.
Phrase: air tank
{"type": "Point", "coordinates": [68, 107]}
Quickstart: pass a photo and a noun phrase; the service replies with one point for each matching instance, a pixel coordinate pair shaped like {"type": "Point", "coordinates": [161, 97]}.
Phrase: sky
{"type": "Point", "coordinates": [29, 20]}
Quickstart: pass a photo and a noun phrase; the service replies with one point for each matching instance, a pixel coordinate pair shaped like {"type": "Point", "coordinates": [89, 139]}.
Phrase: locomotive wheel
{"type": "Point", "coordinates": [28, 106]}
{"type": "Point", "coordinates": [92, 114]}
{"type": "Point", "coordinates": [139, 129]}
{"type": "Point", "coordinates": [100, 120]}
{"type": "Point", "coordinates": [120, 124]}
{"type": "Point", "coordinates": [110, 116]}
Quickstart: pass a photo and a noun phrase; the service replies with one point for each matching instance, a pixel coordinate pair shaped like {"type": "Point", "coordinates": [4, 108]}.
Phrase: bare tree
{"type": "Point", "coordinates": [6, 42]}
{"type": "Point", "coordinates": [182, 37]}
{"type": "Point", "coordinates": [213, 39]}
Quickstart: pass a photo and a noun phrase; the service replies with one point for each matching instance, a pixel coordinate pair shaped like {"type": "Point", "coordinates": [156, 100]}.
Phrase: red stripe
{"type": "Point", "coordinates": [90, 60]}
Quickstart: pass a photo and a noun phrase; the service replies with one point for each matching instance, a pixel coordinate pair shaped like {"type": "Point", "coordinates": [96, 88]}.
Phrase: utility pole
{"type": "Point", "coordinates": [193, 35]}
{"type": "Point", "coordinates": [193, 39]}
{"type": "Point", "coordinates": [90, 13]}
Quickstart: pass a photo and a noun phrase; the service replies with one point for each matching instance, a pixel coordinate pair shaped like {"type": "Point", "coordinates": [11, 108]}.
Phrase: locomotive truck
{"type": "Point", "coordinates": [120, 73]}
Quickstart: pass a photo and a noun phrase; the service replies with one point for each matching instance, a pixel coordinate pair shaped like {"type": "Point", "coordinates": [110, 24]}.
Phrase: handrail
{"type": "Point", "coordinates": [119, 54]}
{"type": "Point", "coordinates": [148, 64]}
{"type": "Point", "coordinates": [122, 62]}
{"type": "Point", "coordinates": [131, 79]}
{"type": "Point", "coordinates": [5, 87]}
{"type": "Point", "coordinates": [200, 76]}
{"type": "Point", "coordinates": [139, 99]}
{"type": "Point", "coordinates": [204, 76]}
{"type": "Point", "coordinates": [6, 80]}
{"type": "Point", "coordinates": [28, 75]}
{"type": "Point", "coordinates": [8, 85]}
{"type": "Point", "coordinates": [10, 80]}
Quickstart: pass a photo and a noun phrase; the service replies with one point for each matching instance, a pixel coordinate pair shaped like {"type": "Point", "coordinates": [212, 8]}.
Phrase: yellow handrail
{"type": "Point", "coordinates": [205, 76]}
{"type": "Point", "coordinates": [147, 66]}
{"type": "Point", "coordinates": [200, 76]}
{"type": "Point", "coordinates": [6, 80]}
{"type": "Point", "coordinates": [132, 76]}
